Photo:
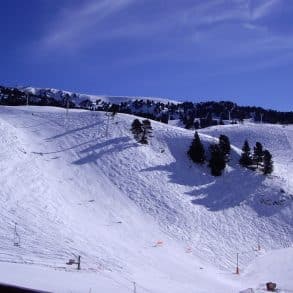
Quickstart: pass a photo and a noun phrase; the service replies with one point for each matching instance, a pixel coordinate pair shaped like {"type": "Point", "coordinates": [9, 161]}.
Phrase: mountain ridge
{"type": "Point", "coordinates": [192, 114]}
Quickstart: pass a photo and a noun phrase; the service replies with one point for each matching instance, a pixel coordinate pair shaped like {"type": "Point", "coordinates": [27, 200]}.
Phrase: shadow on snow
{"type": "Point", "coordinates": [235, 187]}
{"type": "Point", "coordinates": [96, 151]}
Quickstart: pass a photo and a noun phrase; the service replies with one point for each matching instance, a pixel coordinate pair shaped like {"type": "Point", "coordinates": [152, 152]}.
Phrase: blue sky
{"type": "Point", "coordinates": [239, 50]}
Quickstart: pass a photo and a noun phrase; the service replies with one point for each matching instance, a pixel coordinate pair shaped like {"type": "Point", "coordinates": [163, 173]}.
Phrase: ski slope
{"type": "Point", "coordinates": [74, 188]}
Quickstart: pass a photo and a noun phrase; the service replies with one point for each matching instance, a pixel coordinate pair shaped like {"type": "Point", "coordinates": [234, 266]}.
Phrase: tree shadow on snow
{"type": "Point", "coordinates": [235, 187]}
{"type": "Point", "coordinates": [182, 171]}
{"type": "Point", "coordinates": [110, 146]}
{"type": "Point", "coordinates": [229, 190]}
{"type": "Point", "coordinates": [66, 149]}
{"type": "Point", "coordinates": [71, 131]}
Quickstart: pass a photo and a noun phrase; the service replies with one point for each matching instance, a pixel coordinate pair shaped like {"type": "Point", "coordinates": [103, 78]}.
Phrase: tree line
{"type": "Point", "coordinates": [192, 115]}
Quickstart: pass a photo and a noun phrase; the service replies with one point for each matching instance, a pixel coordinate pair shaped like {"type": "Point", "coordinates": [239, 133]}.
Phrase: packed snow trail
{"type": "Point", "coordinates": [73, 191]}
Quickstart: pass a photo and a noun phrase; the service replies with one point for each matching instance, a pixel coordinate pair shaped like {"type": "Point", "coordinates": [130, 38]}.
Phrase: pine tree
{"type": "Point", "coordinates": [245, 159]}
{"type": "Point", "coordinates": [146, 131]}
{"type": "Point", "coordinates": [217, 162]}
{"type": "Point", "coordinates": [224, 144]}
{"type": "Point", "coordinates": [267, 162]}
{"type": "Point", "coordinates": [257, 154]}
{"type": "Point", "coordinates": [196, 125]}
{"type": "Point", "coordinates": [136, 129]}
{"type": "Point", "coordinates": [196, 151]}
{"type": "Point", "coordinates": [114, 109]}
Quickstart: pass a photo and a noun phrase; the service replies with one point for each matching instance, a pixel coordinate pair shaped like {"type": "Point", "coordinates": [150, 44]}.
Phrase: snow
{"type": "Point", "coordinates": [72, 191]}
{"type": "Point", "coordinates": [58, 280]}
{"type": "Point", "coordinates": [274, 266]}
{"type": "Point", "coordinates": [81, 97]}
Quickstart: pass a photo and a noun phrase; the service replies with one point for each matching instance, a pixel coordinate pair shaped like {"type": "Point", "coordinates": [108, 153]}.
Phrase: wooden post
{"type": "Point", "coordinates": [237, 268]}
{"type": "Point", "coordinates": [16, 236]}
{"type": "Point", "coordinates": [134, 287]}
{"type": "Point", "coordinates": [78, 262]}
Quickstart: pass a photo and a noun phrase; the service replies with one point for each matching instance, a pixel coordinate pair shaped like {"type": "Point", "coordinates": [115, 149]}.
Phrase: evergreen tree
{"type": "Point", "coordinates": [146, 131]}
{"type": "Point", "coordinates": [267, 162]}
{"type": "Point", "coordinates": [196, 151]}
{"type": "Point", "coordinates": [217, 162]}
{"type": "Point", "coordinates": [224, 144]}
{"type": "Point", "coordinates": [245, 159]}
{"type": "Point", "coordinates": [165, 117]}
{"type": "Point", "coordinates": [136, 129]}
{"type": "Point", "coordinates": [257, 154]}
{"type": "Point", "coordinates": [196, 125]}
{"type": "Point", "coordinates": [114, 109]}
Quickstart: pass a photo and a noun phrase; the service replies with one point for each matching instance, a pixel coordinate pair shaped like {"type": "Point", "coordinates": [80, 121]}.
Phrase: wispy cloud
{"type": "Point", "coordinates": [237, 28]}
{"type": "Point", "coordinates": [78, 25]}
{"type": "Point", "coordinates": [263, 9]}
{"type": "Point", "coordinates": [74, 25]}
{"type": "Point", "coordinates": [216, 11]}
{"type": "Point", "coordinates": [220, 11]}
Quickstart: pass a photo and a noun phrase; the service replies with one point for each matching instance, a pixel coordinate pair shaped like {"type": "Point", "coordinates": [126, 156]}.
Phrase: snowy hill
{"type": "Point", "coordinates": [78, 98]}
{"type": "Point", "coordinates": [72, 191]}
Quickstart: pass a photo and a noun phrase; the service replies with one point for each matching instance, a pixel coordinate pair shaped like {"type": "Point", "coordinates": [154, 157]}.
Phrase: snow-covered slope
{"type": "Point", "coordinates": [278, 139]}
{"type": "Point", "coordinates": [273, 266]}
{"type": "Point", "coordinates": [73, 190]}
{"type": "Point", "coordinates": [77, 98]}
